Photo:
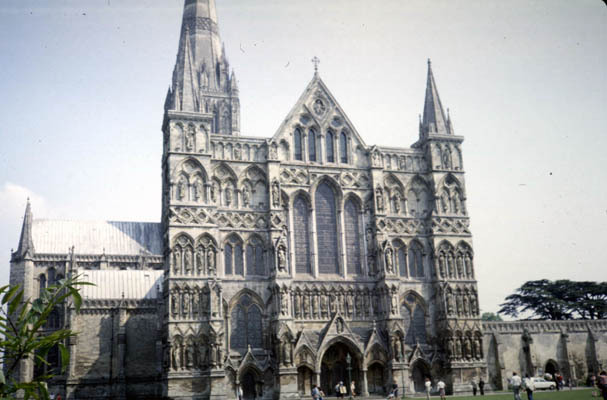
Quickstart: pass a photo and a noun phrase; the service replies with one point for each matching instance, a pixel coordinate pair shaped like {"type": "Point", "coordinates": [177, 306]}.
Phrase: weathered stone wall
{"type": "Point", "coordinates": [573, 348]}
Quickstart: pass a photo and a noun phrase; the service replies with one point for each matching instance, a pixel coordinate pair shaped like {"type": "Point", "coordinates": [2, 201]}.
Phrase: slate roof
{"type": "Point", "coordinates": [117, 284]}
{"type": "Point", "coordinates": [96, 237]}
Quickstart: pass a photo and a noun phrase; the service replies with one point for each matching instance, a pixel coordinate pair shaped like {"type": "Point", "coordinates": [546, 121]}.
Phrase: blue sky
{"type": "Point", "coordinates": [83, 85]}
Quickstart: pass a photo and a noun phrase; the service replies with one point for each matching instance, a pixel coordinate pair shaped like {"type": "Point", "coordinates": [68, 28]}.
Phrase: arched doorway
{"type": "Point", "coordinates": [334, 368]}
{"type": "Point", "coordinates": [419, 372]}
{"type": "Point", "coordinates": [249, 384]}
{"type": "Point", "coordinates": [551, 367]}
{"type": "Point", "coordinates": [305, 379]}
{"type": "Point", "coordinates": [376, 379]}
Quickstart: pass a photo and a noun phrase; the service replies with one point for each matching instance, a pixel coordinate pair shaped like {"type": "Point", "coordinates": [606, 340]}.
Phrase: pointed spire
{"type": "Point", "coordinates": [233, 83]}
{"type": "Point", "coordinates": [434, 117]}
{"type": "Point", "coordinates": [26, 242]}
{"type": "Point", "coordinates": [201, 73]}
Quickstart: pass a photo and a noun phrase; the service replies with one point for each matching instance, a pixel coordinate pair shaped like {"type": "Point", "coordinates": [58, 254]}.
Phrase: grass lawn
{"type": "Point", "coordinates": [540, 395]}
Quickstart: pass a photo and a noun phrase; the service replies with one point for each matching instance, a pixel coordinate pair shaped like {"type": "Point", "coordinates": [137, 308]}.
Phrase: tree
{"type": "Point", "coordinates": [23, 324]}
{"type": "Point", "coordinates": [543, 299]}
{"type": "Point", "coordinates": [489, 316]}
{"type": "Point", "coordinates": [557, 300]}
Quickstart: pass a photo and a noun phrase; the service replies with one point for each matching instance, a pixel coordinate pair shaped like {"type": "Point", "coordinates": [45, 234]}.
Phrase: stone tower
{"type": "Point", "coordinates": [459, 332]}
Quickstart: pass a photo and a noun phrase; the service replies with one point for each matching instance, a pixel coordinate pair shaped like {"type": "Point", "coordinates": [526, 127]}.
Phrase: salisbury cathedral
{"type": "Point", "coordinates": [278, 259]}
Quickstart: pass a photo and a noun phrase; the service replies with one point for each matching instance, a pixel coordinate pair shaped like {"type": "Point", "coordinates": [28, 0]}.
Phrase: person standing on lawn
{"type": "Point", "coordinates": [441, 388]}
{"type": "Point", "coordinates": [473, 382]}
{"type": "Point", "coordinates": [481, 386]}
{"type": "Point", "coordinates": [516, 385]}
{"type": "Point", "coordinates": [529, 387]}
{"type": "Point", "coordinates": [428, 385]}
{"type": "Point", "coordinates": [602, 384]}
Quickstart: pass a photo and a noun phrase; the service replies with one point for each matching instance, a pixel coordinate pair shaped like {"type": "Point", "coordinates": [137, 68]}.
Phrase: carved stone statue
{"type": "Point", "coordinates": [473, 305]}
{"type": "Point", "coordinates": [189, 355]}
{"type": "Point", "coordinates": [202, 355]}
{"type": "Point", "coordinates": [284, 304]}
{"type": "Point", "coordinates": [204, 303]}
{"type": "Point", "coordinates": [174, 303]}
{"type": "Point", "coordinates": [460, 267]}
{"type": "Point", "coordinates": [187, 261]}
{"type": "Point", "coordinates": [189, 138]}
{"type": "Point", "coordinates": [198, 191]}
{"type": "Point", "coordinates": [195, 303]}
{"type": "Point", "coordinates": [380, 199]}
{"type": "Point", "coordinates": [458, 348]}
{"type": "Point", "coordinates": [211, 261]}
{"type": "Point", "coordinates": [177, 356]}
{"type": "Point", "coordinates": [228, 196]}
{"type": "Point", "coordinates": [214, 192]}
{"type": "Point", "coordinates": [181, 190]}
{"type": "Point", "coordinates": [246, 197]}
{"type": "Point", "coordinates": [199, 261]}
{"type": "Point", "coordinates": [397, 203]}
{"type": "Point", "coordinates": [444, 202]}
{"type": "Point", "coordinates": [465, 304]}
{"type": "Point", "coordinates": [449, 303]}
{"type": "Point", "coordinates": [237, 154]}
{"type": "Point", "coordinates": [458, 304]}
{"type": "Point", "coordinates": [389, 261]}
{"type": "Point", "coordinates": [467, 350]}
{"type": "Point", "coordinates": [186, 304]}
{"type": "Point", "coordinates": [469, 270]}
{"type": "Point", "coordinates": [450, 348]}
{"type": "Point", "coordinates": [306, 305]}
{"type": "Point", "coordinates": [441, 265]}
{"type": "Point", "coordinates": [275, 194]}
{"type": "Point", "coordinates": [282, 258]}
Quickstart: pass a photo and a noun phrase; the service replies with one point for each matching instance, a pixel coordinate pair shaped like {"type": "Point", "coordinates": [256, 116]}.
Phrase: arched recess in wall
{"type": "Point", "coordinates": [256, 260]}
{"type": "Point", "coordinates": [413, 311]}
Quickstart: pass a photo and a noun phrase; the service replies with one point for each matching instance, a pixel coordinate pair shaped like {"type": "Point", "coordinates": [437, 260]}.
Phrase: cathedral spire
{"type": "Point", "coordinates": [201, 79]}
{"type": "Point", "coordinates": [26, 243]}
{"type": "Point", "coordinates": [434, 121]}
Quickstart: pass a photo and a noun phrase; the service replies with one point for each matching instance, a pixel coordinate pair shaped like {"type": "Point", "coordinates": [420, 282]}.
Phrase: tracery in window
{"type": "Point", "coordinates": [233, 263]}
{"type": "Point", "coordinates": [416, 264]}
{"type": "Point", "coordinates": [255, 257]}
{"type": "Point", "coordinates": [246, 325]}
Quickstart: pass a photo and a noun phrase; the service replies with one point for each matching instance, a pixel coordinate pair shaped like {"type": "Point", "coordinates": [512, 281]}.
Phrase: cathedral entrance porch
{"type": "Point", "coordinates": [419, 372]}
{"type": "Point", "coordinates": [334, 368]}
{"type": "Point", "coordinates": [251, 384]}
{"type": "Point", "coordinates": [376, 379]}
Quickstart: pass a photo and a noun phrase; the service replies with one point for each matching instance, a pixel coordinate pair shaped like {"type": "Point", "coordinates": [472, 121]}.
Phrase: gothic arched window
{"type": "Point", "coordinates": [351, 225]}
{"type": "Point", "coordinates": [301, 238]}
{"type": "Point", "coordinates": [416, 264]}
{"type": "Point", "coordinates": [343, 148]}
{"type": "Point", "coordinates": [329, 146]}
{"type": "Point", "coordinates": [401, 257]}
{"type": "Point", "coordinates": [228, 259]}
{"type": "Point", "coordinates": [51, 276]}
{"type": "Point", "coordinates": [255, 258]}
{"type": "Point", "coordinates": [326, 228]}
{"type": "Point", "coordinates": [246, 325]}
{"type": "Point", "coordinates": [297, 144]}
{"type": "Point", "coordinates": [419, 324]}
{"type": "Point", "coordinates": [233, 257]}
{"type": "Point", "coordinates": [42, 284]}
{"type": "Point", "coordinates": [312, 144]}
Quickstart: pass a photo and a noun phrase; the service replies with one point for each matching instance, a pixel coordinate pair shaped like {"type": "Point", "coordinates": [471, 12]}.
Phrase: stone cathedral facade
{"type": "Point", "coordinates": [276, 258]}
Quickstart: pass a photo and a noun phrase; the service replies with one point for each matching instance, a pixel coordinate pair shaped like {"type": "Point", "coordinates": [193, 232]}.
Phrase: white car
{"type": "Point", "coordinates": [541, 383]}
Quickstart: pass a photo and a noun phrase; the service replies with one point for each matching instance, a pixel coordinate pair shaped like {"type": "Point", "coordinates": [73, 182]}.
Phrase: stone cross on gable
{"type": "Point", "coordinates": [315, 61]}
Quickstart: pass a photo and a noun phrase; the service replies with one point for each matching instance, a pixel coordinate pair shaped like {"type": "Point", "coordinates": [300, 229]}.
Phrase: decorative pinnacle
{"type": "Point", "coordinates": [315, 61]}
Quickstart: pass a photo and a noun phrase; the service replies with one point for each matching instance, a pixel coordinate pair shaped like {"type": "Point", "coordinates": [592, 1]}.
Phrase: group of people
{"type": "Point", "coordinates": [340, 390]}
{"type": "Point", "coordinates": [519, 385]}
{"type": "Point", "coordinates": [600, 383]}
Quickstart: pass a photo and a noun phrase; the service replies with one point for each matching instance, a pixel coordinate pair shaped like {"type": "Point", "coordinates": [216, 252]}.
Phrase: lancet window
{"type": "Point", "coordinates": [301, 226]}
{"type": "Point", "coordinates": [312, 145]}
{"type": "Point", "coordinates": [416, 260]}
{"type": "Point", "coordinates": [329, 147]}
{"type": "Point", "coordinates": [297, 145]}
{"type": "Point", "coordinates": [326, 228]}
{"type": "Point", "coordinates": [343, 148]}
{"type": "Point", "coordinates": [352, 234]}
{"type": "Point", "coordinates": [255, 257]}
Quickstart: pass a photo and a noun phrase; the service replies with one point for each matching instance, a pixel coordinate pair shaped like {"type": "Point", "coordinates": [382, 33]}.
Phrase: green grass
{"type": "Point", "coordinates": [540, 395]}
